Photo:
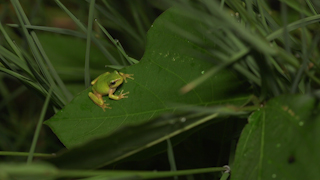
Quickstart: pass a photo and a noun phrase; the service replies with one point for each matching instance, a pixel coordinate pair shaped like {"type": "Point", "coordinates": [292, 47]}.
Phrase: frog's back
{"type": "Point", "coordinates": [102, 85]}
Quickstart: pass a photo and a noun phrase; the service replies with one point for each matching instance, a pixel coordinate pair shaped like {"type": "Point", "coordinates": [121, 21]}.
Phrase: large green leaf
{"type": "Point", "coordinates": [280, 141]}
{"type": "Point", "coordinates": [169, 63]}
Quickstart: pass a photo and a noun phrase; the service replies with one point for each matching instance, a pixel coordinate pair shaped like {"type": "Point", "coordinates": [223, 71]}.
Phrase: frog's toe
{"type": "Point", "coordinates": [130, 76]}
{"type": "Point", "coordinates": [104, 106]}
{"type": "Point", "coordinates": [125, 76]}
{"type": "Point", "coordinates": [122, 95]}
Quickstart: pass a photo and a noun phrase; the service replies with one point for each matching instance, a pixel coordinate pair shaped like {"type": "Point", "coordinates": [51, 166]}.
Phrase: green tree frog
{"type": "Point", "coordinates": [106, 84]}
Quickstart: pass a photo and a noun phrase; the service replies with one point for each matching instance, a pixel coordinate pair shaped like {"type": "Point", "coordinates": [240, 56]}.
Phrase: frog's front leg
{"type": "Point", "coordinates": [117, 97]}
{"type": "Point", "coordinates": [125, 76]}
{"type": "Point", "coordinates": [97, 99]}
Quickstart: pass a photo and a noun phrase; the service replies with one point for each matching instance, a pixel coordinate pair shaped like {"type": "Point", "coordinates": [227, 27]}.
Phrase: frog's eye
{"type": "Point", "coordinates": [112, 82]}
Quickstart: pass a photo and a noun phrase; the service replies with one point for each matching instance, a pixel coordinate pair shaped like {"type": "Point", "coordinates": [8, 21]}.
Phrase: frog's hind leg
{"type": "Point", "coordinates": [97, 99]}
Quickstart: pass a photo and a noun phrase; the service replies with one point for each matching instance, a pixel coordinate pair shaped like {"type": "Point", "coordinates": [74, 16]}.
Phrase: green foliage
{"type": "Point", "coordinates": [205, 67]}
{"type": "Point", "coordinates": [280, 141]}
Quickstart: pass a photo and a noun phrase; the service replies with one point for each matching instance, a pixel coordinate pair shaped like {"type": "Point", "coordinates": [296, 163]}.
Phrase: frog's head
{"type": "Point", "coordinates": [115, 80]}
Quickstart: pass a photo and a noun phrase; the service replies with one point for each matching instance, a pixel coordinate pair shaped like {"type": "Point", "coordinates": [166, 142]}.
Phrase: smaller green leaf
{"type": "Point", "coordinates": [280, 141]}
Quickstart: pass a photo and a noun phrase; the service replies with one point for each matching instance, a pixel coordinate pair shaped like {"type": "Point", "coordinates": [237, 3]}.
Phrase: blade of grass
{"type": "Point", "coordinates": [42, 82]}
{"type": "Point", "coordinates": [284, 15]}
{"type": "Point", "coordinates": [311, 7]}
{"type": "Point", "coordinates": [47, 171]}
{"type": "Point", "coordinates": [223, 19]}
{"type": "Point", "coordinates": [52, 29]}
{"type": "Point", "coordinates": [131, 60]}
{"type": "Point", "coordinates": [31, 82]}
{"type": "Point", "coordinates": [120, 49]}
{"type": "Point", "coordinates": [225, 176]}
{"type": "Point", "coordinates": [222, 4]}
{"type": "Point", "coordinates": [305, 60]}
{"type": "Point", "coordinates": [22, 19]}
{"type": "Point", "coordinates": [213, 71]}
{"type": "Point", "coordinates": [255, 41]}
{"type": "Point", "coordinates": [248, 6]}
{"type": "Point", "coordinates": [293, 26]}
{"type": "Point", "coordinates": [38, 128]}
{"type": "Point", "coordinates": [293, 61]}
{"type": "Point", "coordinates": [222, 110]}
{"type": "Point", "coordinates": [112, 14]}
{"type": "Point", "coordinates": [141, 31]}
{"type": "Point", "coordinates": [235, 41]}
{"type": "Point", "coordinates": [10, 153]}
{"type": "Point", "coordinates": [88, 45]}
{"type": "Point", "coordinates": [23, 79]}
{"type": "Point", "coordinates": [74, 18]}
{"type": "Point", "coordinates": [263, 18]}
{"type": "Point", "coordinates": [271, 20]}
{"type": "Point", "coordinates": [15, 60]}
{"type": "Point", "coordinates": [296, 5]}
{"type": "Point", "coordinates": [54, 73]}
{"type": "Point", "coordinates": [171, 158]}
{"type": "Point", "coordinates": [10, 42]}
{"type": "Point", "coordinates": [248, 16]}
{"type": "Point", "coordinates": [41, 57]}
{"type": "Point", "coordinates": [122, 58]}
{"type": "Point", "coordinates": [40, 51]}
{"type": "Point", "coordinates": [246, 73]}
{"type": "Point", "coordinates": [252, 65]}
{"type": "Point", "coordinates": [276, 65]}
{"type": "Point", "coordinates": [5, 63]}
